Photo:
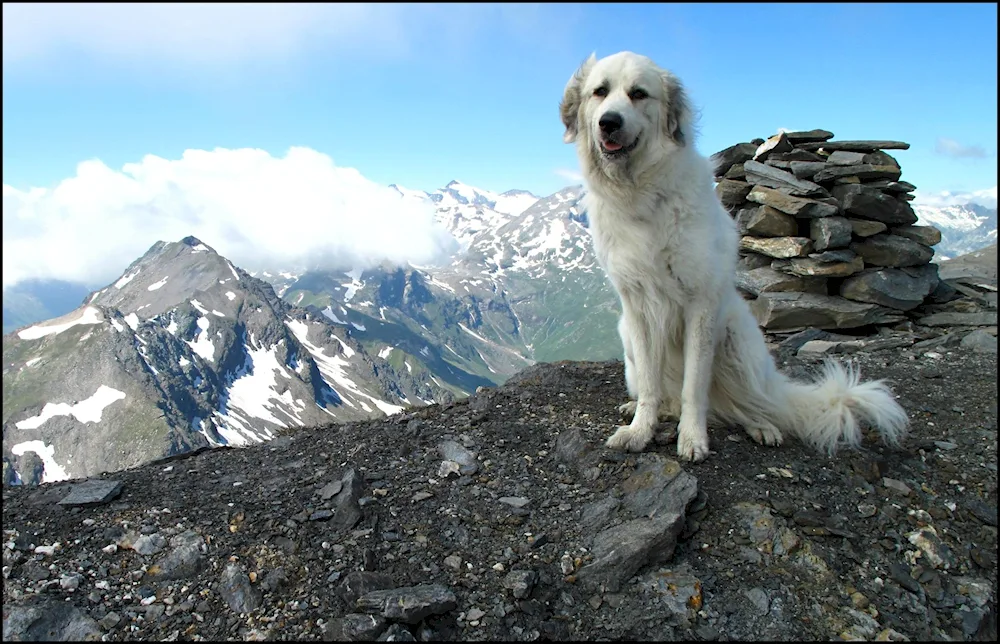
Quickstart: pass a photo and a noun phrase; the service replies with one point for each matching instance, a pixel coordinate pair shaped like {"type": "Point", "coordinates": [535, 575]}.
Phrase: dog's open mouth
{"type": "Point", "coordinates": [613, 149]}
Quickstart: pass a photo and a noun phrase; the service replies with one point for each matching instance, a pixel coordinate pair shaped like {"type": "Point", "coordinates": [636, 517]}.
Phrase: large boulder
{"type": "Point", "coordinates": [897, 288]}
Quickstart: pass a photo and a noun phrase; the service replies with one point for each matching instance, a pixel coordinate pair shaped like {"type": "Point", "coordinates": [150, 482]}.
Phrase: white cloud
{"type": "Point", "coordinates": [986, 198]}
{"type": "Point", "coordinates": [256, 209]}
{"type": "Point", "coordinates": [203, 33]}
{"type": "Point", "coordinates": [207, 36]}
{"type": "Point", "coordinates": [952, 148]}
{"type": "Point", "coordinates": [570, 175]}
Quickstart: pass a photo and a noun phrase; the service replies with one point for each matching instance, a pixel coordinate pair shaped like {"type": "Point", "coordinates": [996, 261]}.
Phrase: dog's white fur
{"type": "Point", "coordinates": [692, 345]}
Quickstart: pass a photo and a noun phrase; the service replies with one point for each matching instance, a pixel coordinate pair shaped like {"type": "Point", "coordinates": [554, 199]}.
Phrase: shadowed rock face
{"type": "Point", "coordinates": [549, 535]}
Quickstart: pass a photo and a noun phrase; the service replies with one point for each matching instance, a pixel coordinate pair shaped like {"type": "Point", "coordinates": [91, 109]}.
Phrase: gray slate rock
{"type": "Point", "coordinates": [736, 173]}
{"type": "Point", "coordinates": [806, 169]}
{"type": "Point", "coordinates": [897, 187]}
{"type": "Point", "coordinates": [185, 558]}
{"type": "Point", "coordinates": [410, 604]}
{"type": "Point", "coordinates": [767, 280]}
{"type": "Point", "coordinates": [520, 582]}
{"type": "Point", "coordinates": [237, 591]}
{"type": "Point", "coordinates": [659, 491]}
{"type": "Point", "coordinates": [856, 146]}
{"type": "Point", "coordinates": [830, 232]}
{"type": "Point", "coordinates": [795, 206]}
{"type": "Point", "coordinates": [777, 143]}
{"type": "Point", "coordinates": [362, 582]}
{"type": "Point", "coordinates": [862, 172]}
{"type": "Point", "coordinates": [926, 235]}
{"type": "Point", "coordinates": [48, 621]}
{"type": "Point", "coordinates": [890, 287]}
{"type": "Point", "coordinates": [869, 203]}
{"type": "Point", "coordinates": [723, 160]}
{"type": "Point", "coordinates": [880, 157]}
{"type": "Point", "coordinates": [454, 451]}
{"type": "Point", "coordinates": [892, 251]}
{"type": "Point", "coordinates": [659, 486]}
{"type": "Point", "coordinates": [797, 154]}
{"type": "Point", "coordinates": [357, 627]}
{"type": "Point", "coordinates": [149, 544]}
{"type": "Point", "coordinates": [749, 261]}
{"type": "Point", "coordinates": [866, 227]}
{"type": "Point", "coordinates": [778, 247]}
{"type": "Point", "coordinates": [808, 136]}
{"type": "Point", "coordinates": [843, 157]}
{"type": "Point", "coordinates": [765, 221]}
{"type": "Point", "coordinates": [760, 174]}
{"type": "Point", "coordinates": [571, 447]}
{"type": "Point", "coordinates": [732, 193]}
{"type": "Point", "coordinates": [789, 311]}
{"type": "Point", "coordinates": [619, 552]}
{"type": "Point", "coordinates": [952, 318]}
{"type": "Point", "coordinates": [92, 492]}
{"type": "Point", "coordinates": [399, 633]}
{"type": "Point", "coordinates": [346, 509]}
{"type": "Point", "coordinates": [813, 267]}
{"type": "Point", "coordinates": [981, 342]}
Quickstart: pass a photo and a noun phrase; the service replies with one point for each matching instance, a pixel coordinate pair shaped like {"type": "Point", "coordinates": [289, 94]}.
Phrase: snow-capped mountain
{"type": "Point", "coordinates": [524, 286]}
{"type": "Point", "coordinates": [186, 350]}
{"type": "Point", "coordinates": [967, 222]}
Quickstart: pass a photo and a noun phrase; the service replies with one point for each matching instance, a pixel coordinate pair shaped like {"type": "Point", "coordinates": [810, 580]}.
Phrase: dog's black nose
{"type": "Point", "coordinates": [610, 122]}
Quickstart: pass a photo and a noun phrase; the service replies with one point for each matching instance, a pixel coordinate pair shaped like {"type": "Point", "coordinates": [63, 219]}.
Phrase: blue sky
{"type": "Point", "coordinates": [422, 94]}
{"type": "Point", "coordinates": [471, 92]}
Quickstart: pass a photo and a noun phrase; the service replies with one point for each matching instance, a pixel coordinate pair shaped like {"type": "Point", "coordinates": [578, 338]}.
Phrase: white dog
{"type": "Point", "coordinates": [692, 346]}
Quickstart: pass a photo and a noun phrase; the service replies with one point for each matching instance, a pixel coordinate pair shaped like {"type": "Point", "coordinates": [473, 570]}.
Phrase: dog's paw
{"type": "Point", "coordinates": [627, 410]}
{"type": "Point", "coordinates": [692, 449]}
{"type": "Point", "coordinates": [692, 442]}
{"type": "Point", "coordinates": [630, 439]}
{"type": "Point", "coordinates": [765, 435]}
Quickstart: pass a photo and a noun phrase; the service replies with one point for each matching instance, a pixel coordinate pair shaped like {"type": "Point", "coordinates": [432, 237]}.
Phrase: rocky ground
{"type": "Point", "coordinates": [503, 517]}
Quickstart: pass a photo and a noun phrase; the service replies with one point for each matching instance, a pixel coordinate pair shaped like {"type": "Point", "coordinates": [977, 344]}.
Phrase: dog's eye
{"type": "Point", "coordinates": [638, 94]}
{"type": "Point", "coordinates": [601, 91]}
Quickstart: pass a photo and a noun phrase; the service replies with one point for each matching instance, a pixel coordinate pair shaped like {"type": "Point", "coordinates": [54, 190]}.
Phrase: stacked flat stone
{"type": "Point", "coordinates": [828, 235]}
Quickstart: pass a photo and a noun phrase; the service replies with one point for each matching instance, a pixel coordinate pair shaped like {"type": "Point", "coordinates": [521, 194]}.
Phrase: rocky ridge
{"type": "Point", "coordinates": [828, 234]}
{"type": "Point", "coordinates": [503, 517]}
{"type": "Point", "coordinates": [187, 351]}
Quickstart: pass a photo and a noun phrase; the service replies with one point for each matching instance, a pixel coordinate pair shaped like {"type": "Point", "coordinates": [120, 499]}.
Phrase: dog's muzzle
{"type": "Point", "coordinates": [614, 150]}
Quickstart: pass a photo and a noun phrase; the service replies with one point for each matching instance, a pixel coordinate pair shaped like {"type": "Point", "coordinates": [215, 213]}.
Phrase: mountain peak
{"type": "Point", "coordinates": [191, 240]}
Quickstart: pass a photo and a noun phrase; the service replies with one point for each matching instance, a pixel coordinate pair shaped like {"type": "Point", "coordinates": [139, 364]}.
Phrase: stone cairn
{"type": "Point", "coordinates": [828, 235]}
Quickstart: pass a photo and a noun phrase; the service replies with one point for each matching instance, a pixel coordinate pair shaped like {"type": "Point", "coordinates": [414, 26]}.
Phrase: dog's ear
{"type": "Point", "coordinates": [678, 110]}
{"type": "Point", "coordinates": [569, 108]}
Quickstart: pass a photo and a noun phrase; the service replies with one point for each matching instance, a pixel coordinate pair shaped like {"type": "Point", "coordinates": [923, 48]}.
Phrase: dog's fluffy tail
{"type": "Point", "coordinates": [826, 413]}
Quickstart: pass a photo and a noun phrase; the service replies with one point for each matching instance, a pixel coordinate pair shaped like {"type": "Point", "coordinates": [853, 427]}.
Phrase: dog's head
{"type": "Point", "coordinates": [625, 112]}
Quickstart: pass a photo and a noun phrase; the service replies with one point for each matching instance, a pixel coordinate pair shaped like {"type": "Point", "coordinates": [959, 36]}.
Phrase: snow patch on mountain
{"type": "Point", "coordinates": [89, 410]}
{"type": "Point", "coordinates": [125, 279]}
{"type": "Point", "coordinates": [253, 392]}
{"type": "Point", "coordinates": [51, 470]}
{"type": "Point", "coordinates": [202, 344]}
{"type": "Point", "coordinates": [89, 315]}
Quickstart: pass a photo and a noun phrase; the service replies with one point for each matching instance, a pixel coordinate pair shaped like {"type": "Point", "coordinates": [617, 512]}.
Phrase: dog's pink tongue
{"type": "Point", "coordinates": [611, 146]}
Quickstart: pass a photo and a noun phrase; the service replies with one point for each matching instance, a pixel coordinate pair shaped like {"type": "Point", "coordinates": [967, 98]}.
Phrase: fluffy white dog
{"type": "Point", "coordinates": [692, 347]}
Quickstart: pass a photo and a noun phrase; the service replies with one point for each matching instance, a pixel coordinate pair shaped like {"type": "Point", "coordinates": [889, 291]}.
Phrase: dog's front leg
{"type": "Point", "coordinates": [647, 375]}
{"type": "Point", "coordinates": [699, 349]}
